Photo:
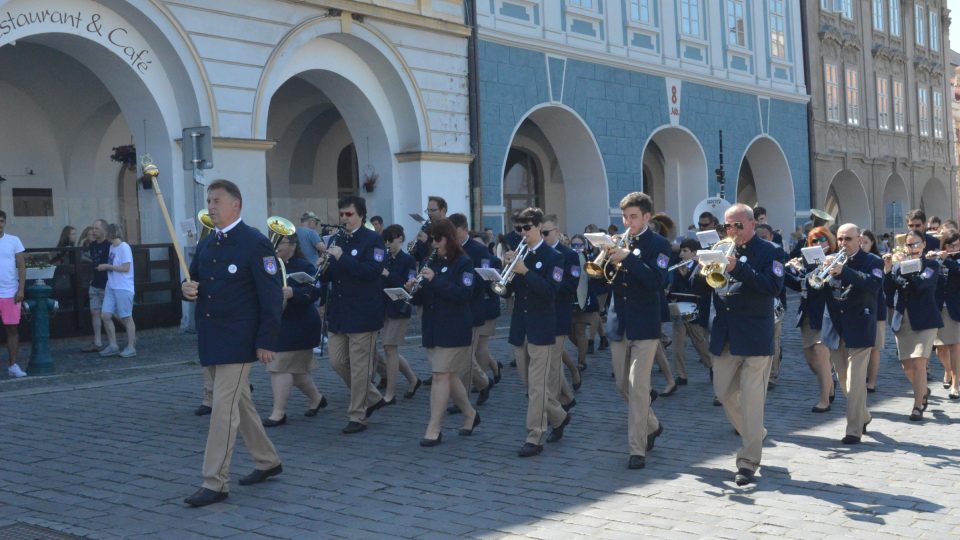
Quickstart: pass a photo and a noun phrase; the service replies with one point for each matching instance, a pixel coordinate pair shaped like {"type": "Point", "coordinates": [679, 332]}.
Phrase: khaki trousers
{"type": "Point", "coordinates": [233, 411]}
{"type": "Point", "coordinates": [207, 385]}
{"type": "Point", "coordinates": [579, 331]}
{"type": "Point", "coordinates": [351, 356]}
{"type": "Point", "coordinates": [699, 336]}
{"type": "Point", "coordinates": [560, 387]}
{"type": "Point", "coordinates": [632, 361]}
{"type": "Point", "coordinates": [775, 364]}
{"type": "Point", "coordinates": [538, 365]}
{"type": "Point", "coordinates": [472, 375]}
{"type": "Point", "coordinates": [851, 366]}
{"type": "Point", "coordinates": [741, 384]}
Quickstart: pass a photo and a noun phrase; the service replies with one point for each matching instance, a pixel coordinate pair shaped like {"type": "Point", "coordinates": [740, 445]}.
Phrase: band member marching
{"type": "Point", "coordinates": [634, 319]}
{"type": "Point", "coordinates": [566, 296]}
{"type": "Point", "coordinates": [741, 338]}
{"type": "Point", "coordinates": [948, 337]}
{"type": "Point", "coordinates": [400, 267]}
{"type": "Point", "coordinates": [853, 307]}
{"type": "Point", "coordinates": [473, 376]}
{"type": "Point", "coordinates": [698, 328]}
{"type": "Point", "coordinates": [537, 275]}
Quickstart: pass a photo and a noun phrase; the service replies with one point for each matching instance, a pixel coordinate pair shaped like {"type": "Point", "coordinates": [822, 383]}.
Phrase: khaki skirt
{"type": "Point", "coordinates": [911, 343]}
{"type": "Point", "coordinates": [448, 359]}
{"type": "Point", "coordinates": [881, 341]}
{"type": "Point", "coordinates": [394, 331]}
{"type": "Point", "coordinates": [809, 336]}
{"type": "Point", "coordinates": [295, 362]}
{"type": "Point", "coordinates": [950, 333]}
{"type": "Point", "coordinates": [488, 328]}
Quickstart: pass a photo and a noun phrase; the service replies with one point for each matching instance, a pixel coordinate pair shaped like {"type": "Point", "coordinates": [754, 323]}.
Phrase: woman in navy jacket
{"type": "Point", "coordinates": [445, 293]}
{"type": "Point", "coordinates": [948, 298]}
{"type": "Point", "coordinates": [813, 303]}
{"type": "Point", "coordinates": [868, 243]}
{"type": "Point", "coordinates": [299, 334]}
{"type": "Point", "coordinates": [915, 318]}
{"type": "Point", "coordinates": [400, 267]}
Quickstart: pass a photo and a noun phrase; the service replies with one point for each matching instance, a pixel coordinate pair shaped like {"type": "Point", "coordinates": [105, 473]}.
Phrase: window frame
{"type": "Point", "coordinates": [883, 103]}
{"type": "Point", "coordinates": [896, 29]}
{"type": "Point", "coordinates": [651, 10]}
{"type": "Point", "coordinates": [772, 15]}
{"type": "Point", "coordinates": [831, 91]}
{"type": "Point", "coordinates": [851, 81]}
{"type": "Point", "coordinates": [699, 18]}
{"type": "Point", "coordinates": [919, 25]}
{"type": "Point", "coordinates": [938, 119]}
{"type": "Point", "coordinates": [899, 107]}
{"type": "Point", "coordinates": [879, 15]}
{"type": "Point", "coordinates": [731, 14]}
{"type": "Point", "coordinates": [934, 30]}
{"type": "Point", "coordinates": [923, 111]}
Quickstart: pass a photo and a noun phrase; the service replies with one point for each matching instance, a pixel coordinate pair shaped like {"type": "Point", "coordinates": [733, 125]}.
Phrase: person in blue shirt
{"type": "Point", "coordinates": [299, 334]}
{"type": "Point", "coordinates": [445, 291]}
{"type": "Point", "coordinates": [948, 297]}
{"type": "Point", "coordinates": [916, 317]}
{"type": "Point", "coordinates": [400, 267]}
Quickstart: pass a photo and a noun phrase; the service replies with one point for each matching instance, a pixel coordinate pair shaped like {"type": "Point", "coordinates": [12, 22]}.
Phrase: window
{"type": "Point", "coordinates": [883, 103]}
{"type": "Point", "coordinates": [736, 33]}
{"type": "Point", "coordinates": [832, 86]}
{"type": "Point", "coordinates": [583, 4]}
{"type": "Point", "coordinates": [895, 18]}
{"type": "Point", "coordinates": [690, 17]}
{"type": "Point", "coordinates": [640, 11]}
{"type": "Point", "coordinates": [32, 202]}
{"type": "Point", "coordinates": [934, 32]}
{"type": "Point", "coordinates": [898, 123]}
{"type": "Point", "coordinates": [923, 106]}
{"type": "Point", "coordinates": [778, 39]}
{"type": "Point", "coordinates": [920, 23]}
{"type": "Point", "coordinates": [938, 115]}
{"type": "Point", "coordinates": [853, 97]}
{"type": "Point", "coordinates": [846, 8]}
{"type": "Point", "coordinates": [878, 15]}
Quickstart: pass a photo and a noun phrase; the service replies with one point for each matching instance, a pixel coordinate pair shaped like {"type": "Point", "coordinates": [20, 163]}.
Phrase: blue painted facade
{"type": "Point", "coordinates": [622, 108]}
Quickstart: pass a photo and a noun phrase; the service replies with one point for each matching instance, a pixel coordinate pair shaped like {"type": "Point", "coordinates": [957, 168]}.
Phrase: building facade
{"type": "Point", "coordinates": [306, 100]}
{"type": "Point", "coordinates": [881, 131]}
{"type": "Point", "coordinates": [583, 101]}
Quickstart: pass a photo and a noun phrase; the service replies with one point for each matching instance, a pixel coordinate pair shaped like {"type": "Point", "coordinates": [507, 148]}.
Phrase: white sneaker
{"type": "Point", "coordinates": [111, 350]}
{"type": "Point", "coordinates": [128, 353]}
{"type": "Point", "coordinates": [15, 371]}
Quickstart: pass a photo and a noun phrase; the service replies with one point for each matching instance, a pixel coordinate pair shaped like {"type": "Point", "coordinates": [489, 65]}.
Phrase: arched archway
{"type": "Point", "coordinates": [683, 183]}
{"type": "Point", "coordinates": [935, 201]}
{"type": "Point", "coordinates": [765, 179]}
{"type": "Point", "coordinates": [896, 202]}
{"type": "Point", "coordinates": [847, 201]}
{"type": "Point", "coordinates": [561, 160]}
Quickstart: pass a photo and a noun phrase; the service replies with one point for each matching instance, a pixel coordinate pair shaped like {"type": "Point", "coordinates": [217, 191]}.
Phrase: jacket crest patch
{"type": "Point", "coordinates": [468, 278]}
{"type": "Point", "coordinates": [663, 261]}
{"type": "Point", "coordinates": [378, 254]}
{"type": "Point", "coordinates": [557, 273]}
{"type": "Point", "coordinates": [575, 271]}
{"type": "Point", "coordinates": [778, 268]}
{"type": "Point", "coordinates": [270, 265]}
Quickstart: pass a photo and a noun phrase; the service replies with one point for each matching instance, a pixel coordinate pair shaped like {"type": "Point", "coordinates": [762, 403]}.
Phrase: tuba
{"type": "Point", "coordinates": [206, 224]}
{"type": "Point", "coordinates": [716, 273]}
{"type": "Point", "coordinates": [278, 228]}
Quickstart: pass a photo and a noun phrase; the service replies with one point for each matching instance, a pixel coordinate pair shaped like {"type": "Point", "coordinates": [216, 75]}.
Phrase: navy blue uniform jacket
{"type": "Point", "coordinates": [402, 269]}
{"type": "Point", "coordinates": [447, 319]}
{"type": "Point", "coordinates": [239, 298]}
{"type": "Point", "coordinates": [950, 295]}
{"type": "Point", "coordinates": [301, 321]}
{"type": "Point", "coordinates": [567, 291]}
{"type": "Point", "coordinates": [917, 295]}
{"type": "Point", "coordinates": [744, 319]}
{"type": "Point", "coordinates": [355, 301]}
{"type": "Point", "coordinates": [491, 300]}
{"type": "Point", "coordinates": [534, 316]}
{"type": "Point", "coordinates": [812, 301]}
{"type": "Point", "coordinates": [854, 310]}
{"type": "Point", "coordinates": [478, 253]}
{"type": "Point", "coordinates": [638, 288]}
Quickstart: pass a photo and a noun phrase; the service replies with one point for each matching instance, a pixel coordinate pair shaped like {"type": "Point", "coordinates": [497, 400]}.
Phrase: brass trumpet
{"type": "Point", "coordinates": [601, 267]}
{"type": "Point", "coordinates": [500, 287]}
{"type": "Point", "coordinates": [822, 276]}
{"type": "Point", "coordinates": [206, 224]}
{"type": "Point", "coordinates": [716, 273]}
{"type": "Point", "coordinates": [280, 227]}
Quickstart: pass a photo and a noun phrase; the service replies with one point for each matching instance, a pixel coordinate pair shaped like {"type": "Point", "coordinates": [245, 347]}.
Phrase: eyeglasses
{"type": "Point", "coordinates": [347, 214]}
{"type": "Point", "coordinates": [933, 228]}
{"type": "Point", "coordinates": [437, 238]}
{"type": "Point", "coordinates": [516, 228]}
{"type": "Point", "coordinates": [576, 245]}
{"type": "Point", "coordinates": [820, 239]}
{"type": "Point", "coordinates": [736, 224]}
{"type": "Point", "coordinates": [917, 226]}
{"type": "Point", "coordinates": [914, 245]}
{"type": "Point", "coordinates": [846, 238]}
{"type": "Point", "coordinates": [526, 226]}
{"type": "Point", "coordinates": [545, 232]}
{"type": "Point", "coordinates": [432, 210]}
{"type": "Point", "coordinates": [704, 225]}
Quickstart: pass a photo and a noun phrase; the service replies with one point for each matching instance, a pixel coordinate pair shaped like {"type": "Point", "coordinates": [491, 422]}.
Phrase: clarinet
{"type": "Point", "coordinates": [418, 283]}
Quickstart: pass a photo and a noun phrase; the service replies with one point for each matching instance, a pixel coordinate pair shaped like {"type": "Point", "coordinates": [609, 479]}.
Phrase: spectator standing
{"type": "Point", "coordinates": [99, 254]}
{"type": "Point", "coordinates": [310, 242]}
{"type": "Point", "coordinates": [13, 277]}
{"type": "Point", "coordinates": [68, 239]}
{"type": "Point", "coordinates": [118, 295]}
{"type": "Point", "coordinates": [377, 223]}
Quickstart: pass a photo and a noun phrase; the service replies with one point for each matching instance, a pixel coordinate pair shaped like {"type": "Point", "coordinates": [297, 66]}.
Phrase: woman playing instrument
{"type": "Point", "coordinates": [915, 318]}
{"type": "Point", "coordinates": [948, 298]}
{"type": "Point", "coordinates": [299, 334]}
{"type": "Point", "coordinates": [868, 243]}
{"type": "Point", "coordinates": [589, 315]}
{"type": "Point", "coordinates": [812, 306]}
{"type": "Point", "coordinates": [444, 293]}
{"type": "Point", "coordinates": [399, 268]}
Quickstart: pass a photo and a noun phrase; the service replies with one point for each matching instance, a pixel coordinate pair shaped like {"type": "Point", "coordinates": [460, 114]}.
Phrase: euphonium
{"type": "Point", "coordinates": [822, 276]}
{"type": "Point", "coordinates": [278, 228]}
{"type": "Point", "coordinates": [716, 273]}
{"type": "Point", "coordinates": [206, 224]}
{"type": "Point", "coordinates": [597, 268]}
{"type": "Point", "coordinates": [500, 287]}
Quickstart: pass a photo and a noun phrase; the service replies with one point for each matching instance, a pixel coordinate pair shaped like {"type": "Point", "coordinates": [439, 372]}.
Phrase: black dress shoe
{"type": "Point", "coordinates": [530, 450]}
{"type": "Point", "coordinates": [953, 396]}
{"type": "Point", "coordinates": [653, 395]}
{"type": "Point", "coordinates": [513, 363]}
{"type": "Point", "coordinates": [651, 438]}
{"type": "Point", "coordinates": [568, 406]}
{"type": "Point", "coordinates": [833, 392]}
{"type": "Point", "coordinates": [716, 402]}
{"type": "Point", "coordinates": [871, 390]}
{"type": "Point", "coordinates": [432, 442]}
{"type": "Point", "coordinates": [604, 343]}
{"type": "Point", "coordinates": [413, 392]}
{"type": "Point", "coordinates": [590, 349]}
{"type": "Point", "coordinates": [382, 385]}
{"type": "Point", "coordinates": [926, 398]}
{"type": "Point", "coordinates": [582, 368]}
{"type": "Point", "coordinates": [268, 422]}
{"type": "Point", "coordinates": [258, 475]}
{"type": "Point", "coordinates": [576, 386]}
{"type": "Point", "coordinates": [476, 422]}
{"type": "Point", "coordinates": [428, 381]}
{"type": "Point", "coordinates": [771, 385]}
{"type": "Point", "coordinates": [353, 427]}
{"type": "Point", "coordinates": [557, 432]}
{"type": "Point", "coordinates": [499, 375]}
{"type": "Point", "coordinates": [671, 391]}
{"type": "Point", "coordinates": [453, 409]}
{"type": "Point", "coordinates": [850, 439]}
{"type": "Point", "coordinates": [391, 401]}
{"type": "Point", "coordinates": [637, 462]}
{"type": "Point", "coordinates": [865, 424]}
{"type": "Point", "coordinates": [680, 381]}
{"type": "Point", "coordinates": [315, 410]}
{"type": "Point", "coordinates": [205, 496]}
{"type": "Point", "coordinates": [743, 476]}
{"type": "Point", "coordinates": [485, 392]}
{"type": "Point", "coordinates": [820, 409]}
{"type": "Point", "coordinates": [711, 374]}
{"type": "Point", "coordinates": [375, 407]}
{"type": "Point", "coordinates": [203, 410]}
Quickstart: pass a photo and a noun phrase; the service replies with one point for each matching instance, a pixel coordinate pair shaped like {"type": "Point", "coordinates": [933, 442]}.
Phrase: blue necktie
{"type": "Point", "coordinates": [220, 236]}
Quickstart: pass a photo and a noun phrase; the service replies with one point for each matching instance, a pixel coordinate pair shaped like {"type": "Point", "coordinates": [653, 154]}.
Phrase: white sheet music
{"type": "Point", "coordinates": [397, 293]}
{"type": "Point", "coordinates": [488, 274]}
{"type": "Point", "coordinates": [813, 254]}
{"type": "Point", "coordinates": [599, 239]}
{"type": "Point", "coordinates": [708, 238]}
{"type": "Point", "coordinates": [300, 277]}
{"type": "Point", "coordinates": [707, 256]}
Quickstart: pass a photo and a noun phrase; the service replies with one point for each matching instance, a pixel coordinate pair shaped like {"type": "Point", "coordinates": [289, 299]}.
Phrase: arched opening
{"type": "Point", "coordinates": [935, 201]}
{"type": "Point", "coordinates": [765, 179]}
{"type": "Point", "coordinates": [847, 201]}
{"type": "Point", "coordinates": [896, 202]}
{"type": "Point", "coordinates": [554, 162]}
{"type": "Point", "coordinates": [678, 173]}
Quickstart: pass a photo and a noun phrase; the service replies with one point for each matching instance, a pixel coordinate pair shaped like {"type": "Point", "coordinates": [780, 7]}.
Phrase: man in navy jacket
{"type": "Point", "coordinates": [235, 282]}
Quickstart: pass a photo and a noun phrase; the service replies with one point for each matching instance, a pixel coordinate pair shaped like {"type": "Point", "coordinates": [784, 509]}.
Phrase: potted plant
{"type": "Point", "coordinates": [40, 270]}
{"type": "Point", "coordinates": [370, 178]}
{"type": "Point", "coordinates": [126, 154]}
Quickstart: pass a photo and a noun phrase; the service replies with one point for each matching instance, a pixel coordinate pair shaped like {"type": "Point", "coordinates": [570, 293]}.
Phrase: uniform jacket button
{"type": "Point", "coordinates": [214, 260]}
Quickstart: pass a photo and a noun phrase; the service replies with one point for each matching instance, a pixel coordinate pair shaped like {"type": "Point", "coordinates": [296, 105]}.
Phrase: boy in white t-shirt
{"type": "Point", "coordinates": [118, 296]}
{"type": "Point", "coordinates": [13, 277]}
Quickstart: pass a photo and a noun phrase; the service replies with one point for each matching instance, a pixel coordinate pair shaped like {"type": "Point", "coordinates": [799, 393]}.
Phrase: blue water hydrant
{"type": "Point", "coordinates": [41, 307]}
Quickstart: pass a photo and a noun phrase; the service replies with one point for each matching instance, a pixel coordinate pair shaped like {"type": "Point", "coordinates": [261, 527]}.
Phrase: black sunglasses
{"type": "Point", "coordinates": [526, 226]}
{"type": "Point", "coordinates": [736, 224]}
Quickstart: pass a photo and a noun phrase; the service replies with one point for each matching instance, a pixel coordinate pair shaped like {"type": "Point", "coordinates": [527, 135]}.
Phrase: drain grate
{"type": "Point", "coordinates": [25, 531]}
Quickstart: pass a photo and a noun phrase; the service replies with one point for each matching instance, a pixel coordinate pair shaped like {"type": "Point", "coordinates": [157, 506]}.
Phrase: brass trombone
{"type": "Point", "coordinates": [278, 228]}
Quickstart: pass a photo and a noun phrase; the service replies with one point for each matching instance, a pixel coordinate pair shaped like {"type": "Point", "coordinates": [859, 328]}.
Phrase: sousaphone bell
{"type": "Point", "coordinates": [206, 223]}
{"type": "Point", "coordinates": [278, 228]}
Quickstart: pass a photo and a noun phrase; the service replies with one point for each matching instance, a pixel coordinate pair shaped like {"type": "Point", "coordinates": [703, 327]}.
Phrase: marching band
{"type": "Point", "coordinates": [726, 296]}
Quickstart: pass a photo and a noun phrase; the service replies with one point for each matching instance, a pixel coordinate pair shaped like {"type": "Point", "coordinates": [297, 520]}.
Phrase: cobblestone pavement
{"type": "Point", "coordinates": [112, 454]}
